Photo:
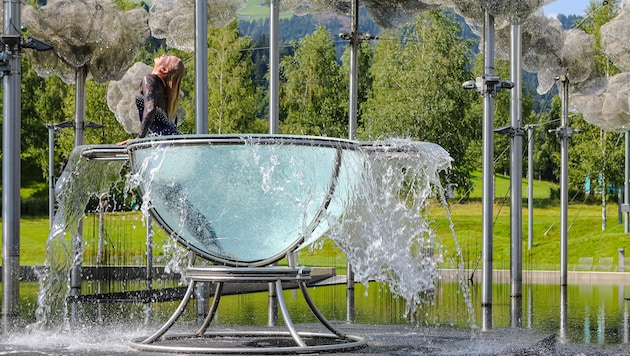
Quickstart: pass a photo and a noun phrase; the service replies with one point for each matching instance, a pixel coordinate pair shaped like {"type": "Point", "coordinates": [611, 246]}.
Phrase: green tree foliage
{"type": "Point", "coordinates": [597, 16]}
{"type": "Point", "coordinates": [593, 152]}
{"type": "Point", "coordinates": [546, 145]}
{"type": "Point", "coordinates": [232, 96]}
{"type": "Point", "coordinates": [417, 90]}
{"type": "Point", "coordinates": [314, 96]}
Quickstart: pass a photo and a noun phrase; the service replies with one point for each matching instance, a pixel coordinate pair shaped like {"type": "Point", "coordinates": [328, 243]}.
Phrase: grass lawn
{"type": "Point", "coordinates": [586, 238]}
{"type": "Point", "coordinates": [257, 9]}
{"type": "Point", "coordinates": [502, 187]}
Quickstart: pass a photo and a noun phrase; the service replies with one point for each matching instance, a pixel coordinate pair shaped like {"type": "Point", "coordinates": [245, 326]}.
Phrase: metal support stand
{"type": "Point", "coordinates": [267, 341]}
{"type": "Point", "coordinates": [530, 185]}
{"type": "Point", "coordinates": [488, 86]}
{"type": "Point", "coordinates": [564, 132]}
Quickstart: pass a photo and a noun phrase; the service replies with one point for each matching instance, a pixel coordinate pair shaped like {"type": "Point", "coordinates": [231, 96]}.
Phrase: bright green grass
{"type": "Point", "coordinates": [257, 9]}
{"type": "Point", "coordinates": [502, 187]}
{"type": "Point", "coordinates": [586, 237]}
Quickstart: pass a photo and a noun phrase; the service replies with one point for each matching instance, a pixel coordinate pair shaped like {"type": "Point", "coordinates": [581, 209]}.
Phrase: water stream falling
{"type": "Point", "coordinates": [271, 194]}
{"type": "Point", "coordinates": [81, 181]}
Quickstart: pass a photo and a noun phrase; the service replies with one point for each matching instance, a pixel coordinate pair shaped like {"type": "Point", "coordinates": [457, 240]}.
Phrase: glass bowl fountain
{"type": "Point", "coordinates": [243, 202]}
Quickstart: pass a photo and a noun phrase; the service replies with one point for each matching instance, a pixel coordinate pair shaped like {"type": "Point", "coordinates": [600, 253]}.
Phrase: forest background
{"type": "Point", "coordinates": [410, 86]}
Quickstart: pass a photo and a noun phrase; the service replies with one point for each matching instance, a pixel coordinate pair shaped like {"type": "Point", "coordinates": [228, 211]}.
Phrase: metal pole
{"type": "Point", "coordinates": [11, 165]}
{"type": "Point", "coordinates": [201, 67]}
{"type": "Point", "coordinates": [530, 186]}
{"type": "Point", "coordinates": [102, 207]}
{"type": "Point", "coordinates": [565, 133]}
{"type": "Point", "coordinates": [79, 111]}
{"type": "Point", "coordinates": [626, 186]}
{"type": "Point", "coordinates": [149, 267]}
{"type": "Point", "coordinates": [51, 173]}
{"type": "Point", "coordinates": [274, 65]}
{"type": "Point", "coordinates": [487, 173]}
{"type": "Point", "coordinates": [274, 109]}
{"type": "Point", "coordinates": [354, 70]}
{"type": "Point", "coordinates": [564, 315]}
{"type": "Point", "coordinates": [352, 134]}
{"type": "Point", "coordinates": [272, 306]}
{"type": "Point", "coordinates": [201, 119]}
{"type": "Point", "coordinates": [79, 139]}
{"type": "Point", "coordinates": [516, 171]}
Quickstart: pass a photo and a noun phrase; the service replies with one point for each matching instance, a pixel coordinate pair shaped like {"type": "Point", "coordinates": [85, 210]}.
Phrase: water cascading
{"type": "Point", "coordinates": [82, 179]}
{"type": "Point", "coordinates": [247, 200]}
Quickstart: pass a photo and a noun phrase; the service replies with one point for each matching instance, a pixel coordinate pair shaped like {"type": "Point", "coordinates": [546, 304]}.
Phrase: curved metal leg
{"type": "Point", "coordinates": [174, 317]}
{"type": "Point", "coordinates": [318, 314]}
{"type": "Point", "coordinates": [213, 309]}
{"type": "Point", "coordinates": [286, 316]}
{"type": "Point", "coordinates": [203, 340]}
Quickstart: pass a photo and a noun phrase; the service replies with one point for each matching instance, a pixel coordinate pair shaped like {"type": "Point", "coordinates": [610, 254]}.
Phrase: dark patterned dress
{"type": "Point", "coordinates": [151, 103]}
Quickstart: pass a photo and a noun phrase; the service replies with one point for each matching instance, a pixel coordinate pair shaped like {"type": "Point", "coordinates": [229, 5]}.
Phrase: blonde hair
{"type": "Point", "coordinates": [173, 81]}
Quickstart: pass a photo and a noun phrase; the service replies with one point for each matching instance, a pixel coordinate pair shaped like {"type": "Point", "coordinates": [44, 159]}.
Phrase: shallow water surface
{"type": "Point", "coordinates": [594, 314]}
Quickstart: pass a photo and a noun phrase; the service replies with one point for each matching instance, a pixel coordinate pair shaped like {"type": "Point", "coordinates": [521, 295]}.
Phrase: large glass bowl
{"type": "Point", "coordinates": [245, 199]}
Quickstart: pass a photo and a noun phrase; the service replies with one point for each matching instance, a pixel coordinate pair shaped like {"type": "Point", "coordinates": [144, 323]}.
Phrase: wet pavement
{"type": "Point", "coordinates": [380, 339]}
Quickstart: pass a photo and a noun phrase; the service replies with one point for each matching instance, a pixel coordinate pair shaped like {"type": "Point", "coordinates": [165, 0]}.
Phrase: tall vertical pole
{"type": "Point", "coordinates": [487, 172]}
{"type": "Point", "coordinates": [274, 66]}
{"type": "Point", "coordinates": [201, 67]}
{"type": "Point", "coordinates": [79, 140]}
{"type": "Point", "coordinates": [530, 186]}
{"type": "Point", "coordinates": [11, 166]}
{"type": "Point", "coordinates": [149, 264]}
{"type": "Point", "coordinates": [565, 133]}
{"type": "Point", "coordinates": [626, 186]}
{"type": "Point", "coordinates": [51, 173]}
{"type": "Point", "coordinates": [352, 133]}
{"type": "Point", "coordinates": [201, 119]}
{"type": "Point", "coordinates": [563, 336]}
{"type": "Point", "coordinates": [274, 119]}
{"type": "Point", "coordinates": [516, 174]}
{"type": "Point", "coordinates": [354, 70]}
{"type": "Point", "coordinates": [79, 110]}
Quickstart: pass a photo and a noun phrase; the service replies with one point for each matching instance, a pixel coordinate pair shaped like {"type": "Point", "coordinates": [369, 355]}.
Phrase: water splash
{"type": "Point", "coordinates": [376, 207]}
{"type": "Point", "coordinates": [81, 181]}
{"type": "Point", "coordinates": [386, 231]}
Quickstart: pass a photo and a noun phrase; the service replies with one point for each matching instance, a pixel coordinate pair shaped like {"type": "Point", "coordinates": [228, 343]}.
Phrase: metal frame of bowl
{"type": "Point", "coordinates": [235, 272]}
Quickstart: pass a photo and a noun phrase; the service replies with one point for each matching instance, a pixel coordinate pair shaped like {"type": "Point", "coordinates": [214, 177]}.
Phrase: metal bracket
{"type": "Point", "coordinates": [488, 85]}
{"type": "Point", "coordinates": [509, 130]}
{"type": "Point", "coordinates": [360, 37]}
{"type": "Point", "coordinates": [564, 131]}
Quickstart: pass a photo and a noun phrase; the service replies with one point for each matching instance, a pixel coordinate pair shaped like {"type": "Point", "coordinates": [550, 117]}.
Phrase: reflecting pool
{"type": "Point", "coordinates": [594, 314]}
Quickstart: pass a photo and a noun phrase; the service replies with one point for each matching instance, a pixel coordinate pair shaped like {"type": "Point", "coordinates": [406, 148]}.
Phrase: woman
{"type": "Point", "coordinates": [158, 98]}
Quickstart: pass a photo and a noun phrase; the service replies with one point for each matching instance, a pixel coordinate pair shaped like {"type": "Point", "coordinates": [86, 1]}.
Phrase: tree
{"type": "Point", "coordinates": [314, 96]}
{"type": "Point", "coordinates": [597, 17]}
{"type": "Point", "coordinates": [232, 96]}
{"type": "Point", "coordinates": [417, 90]}
{"type": "Point", "coordinates": [42, 103]}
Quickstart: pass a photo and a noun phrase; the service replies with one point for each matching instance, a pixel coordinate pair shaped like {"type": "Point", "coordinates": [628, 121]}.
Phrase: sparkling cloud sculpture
{"type": "Point", "coordinates": [86, 33]}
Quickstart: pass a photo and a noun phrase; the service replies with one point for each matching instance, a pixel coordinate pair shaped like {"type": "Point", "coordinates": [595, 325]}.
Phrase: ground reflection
{"type": "Point", "coordinates": [587, 314]}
